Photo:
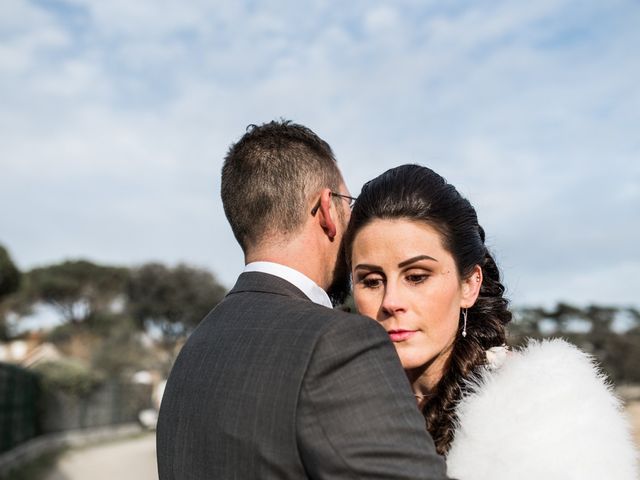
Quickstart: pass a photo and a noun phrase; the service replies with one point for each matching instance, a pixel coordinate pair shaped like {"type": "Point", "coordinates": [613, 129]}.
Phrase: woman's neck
{"type": "Point", "coordinates": [425, 378]}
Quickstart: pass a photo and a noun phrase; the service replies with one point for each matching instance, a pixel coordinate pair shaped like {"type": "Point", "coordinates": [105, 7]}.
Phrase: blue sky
{"type": "Point", "coordinates": [116, 116]}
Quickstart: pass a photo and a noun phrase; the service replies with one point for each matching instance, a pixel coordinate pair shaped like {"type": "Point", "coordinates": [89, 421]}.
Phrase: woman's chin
{"type": "Point", "coordinates": [417, 364]}
{"type": "Point", "coordinates": [412, 363]}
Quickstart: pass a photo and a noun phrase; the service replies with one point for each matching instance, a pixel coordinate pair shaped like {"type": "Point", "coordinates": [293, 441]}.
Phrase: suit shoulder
{"type": "Point", "coordinates": [352, 323]}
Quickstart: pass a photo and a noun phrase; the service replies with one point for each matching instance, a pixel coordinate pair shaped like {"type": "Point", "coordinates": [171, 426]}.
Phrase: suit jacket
{"type": "Point", "coordinates": [272, 385]}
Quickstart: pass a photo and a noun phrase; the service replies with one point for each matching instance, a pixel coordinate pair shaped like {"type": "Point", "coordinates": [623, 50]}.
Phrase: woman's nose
{"type": "Point", "coordinates": [392, 302]}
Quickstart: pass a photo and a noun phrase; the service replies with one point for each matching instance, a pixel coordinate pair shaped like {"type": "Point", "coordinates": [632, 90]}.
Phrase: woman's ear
{"type": "Point", "coordinates": [471, 288]}
{"type": "Point", "coordinates": [324, 214]}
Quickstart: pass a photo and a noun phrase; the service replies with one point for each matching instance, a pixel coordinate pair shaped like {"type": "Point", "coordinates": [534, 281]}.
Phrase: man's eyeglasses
{"type": "Point", "coordinates": [349, 199]}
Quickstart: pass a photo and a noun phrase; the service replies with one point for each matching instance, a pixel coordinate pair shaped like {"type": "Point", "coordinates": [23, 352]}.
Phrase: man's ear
{"type": "Point", "coordinates": [471, 288]}
{"type": "Point", "coordinates": [324, 214]}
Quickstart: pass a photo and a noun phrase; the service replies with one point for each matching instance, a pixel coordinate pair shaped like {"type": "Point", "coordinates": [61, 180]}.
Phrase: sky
{"type": "Point", "coordinates": [115, 117]}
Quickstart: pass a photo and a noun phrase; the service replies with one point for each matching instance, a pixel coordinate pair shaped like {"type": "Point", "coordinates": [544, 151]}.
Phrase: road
{"type": "Point", "coordinates": [135, 459]}
{"type": "Point", "coordinates": [633, 412]}
{"type": "Point", "coordinates": [132, 459]}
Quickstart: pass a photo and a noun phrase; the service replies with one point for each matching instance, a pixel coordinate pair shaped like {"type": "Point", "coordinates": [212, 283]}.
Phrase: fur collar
{"type": "Point", "coordinates": [545, 411]}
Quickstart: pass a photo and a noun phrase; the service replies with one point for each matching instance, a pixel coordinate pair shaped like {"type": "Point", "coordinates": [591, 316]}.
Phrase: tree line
{"type": "Point", "coordinates": [112, 321]}
{"type": "Point", "coordinates": [610, 333]}
{"type": "Point", "coordinates": [154, 296]}
{"type": "Point", "coordinates": [109, 306]}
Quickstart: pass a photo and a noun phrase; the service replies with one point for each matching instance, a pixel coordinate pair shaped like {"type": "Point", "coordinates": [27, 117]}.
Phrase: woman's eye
{"type": "Point", "coordinates": [417, 277]}
{"type": "Point", "coordinates": [371, 282]}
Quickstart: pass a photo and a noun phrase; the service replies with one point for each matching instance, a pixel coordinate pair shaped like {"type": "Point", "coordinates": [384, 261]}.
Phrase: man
{"type": "Point", "coordinates": [274, 383]}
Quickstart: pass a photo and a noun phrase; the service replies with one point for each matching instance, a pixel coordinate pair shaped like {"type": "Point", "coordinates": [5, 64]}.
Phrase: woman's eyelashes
{"type": "Point", "coordinates": [377, 280]}
{"type": "Point", "coordinates": [371, 281]}
{"type": "Point", "coordinates": [417, 278]}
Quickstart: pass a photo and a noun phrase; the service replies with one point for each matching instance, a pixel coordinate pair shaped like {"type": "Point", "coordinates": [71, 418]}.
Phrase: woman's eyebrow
{"type": "Point", "coordinates": [415, 259]}
{"type": "Point", "coordinates": [366, 266]}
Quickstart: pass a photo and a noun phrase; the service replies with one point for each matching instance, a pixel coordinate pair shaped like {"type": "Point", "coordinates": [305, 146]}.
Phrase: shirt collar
{"type": "Point", "coordinates": [300, 280]}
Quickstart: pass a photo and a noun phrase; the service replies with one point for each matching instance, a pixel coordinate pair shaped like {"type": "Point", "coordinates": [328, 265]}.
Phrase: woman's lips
{"type": "Point", "coordinates": [400, 335]}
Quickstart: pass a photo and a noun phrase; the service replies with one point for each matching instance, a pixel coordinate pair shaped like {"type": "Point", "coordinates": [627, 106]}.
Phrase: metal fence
{"type": "Point", "coordinates": [27, 409]}
{"type": "Point", "coordinates": [19, 401]}
{"type": "Point", "coordinates": [112, 403]}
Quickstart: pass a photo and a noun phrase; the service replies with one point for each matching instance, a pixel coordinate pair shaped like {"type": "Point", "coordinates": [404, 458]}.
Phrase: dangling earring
{"type": "Point", "coordinates": [464, 325]}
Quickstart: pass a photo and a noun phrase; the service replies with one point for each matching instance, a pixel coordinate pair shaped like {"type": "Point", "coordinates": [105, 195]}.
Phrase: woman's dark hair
{"type": "Point", "coordinates": [417, 193]}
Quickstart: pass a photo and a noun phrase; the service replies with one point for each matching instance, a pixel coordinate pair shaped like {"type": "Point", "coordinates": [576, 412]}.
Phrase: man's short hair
{"type": "Point", "coordinates": [268, 177]}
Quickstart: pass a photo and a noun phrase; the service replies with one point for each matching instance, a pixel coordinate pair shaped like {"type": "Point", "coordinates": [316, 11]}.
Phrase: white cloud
{"type": "Point", "coordinates": [31, 35]}
{"type": "Point", "coordinates": [18, 15]}
{"type": "Point", "coordinates": [115, 122]}
{"type": "Point", "coordinates": [381, 18]}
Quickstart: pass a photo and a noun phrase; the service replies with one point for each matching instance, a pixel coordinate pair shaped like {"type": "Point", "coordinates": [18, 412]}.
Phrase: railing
{"type": "Point", "coordinates": [28, 409]}
{"type": "Point", "coordinates": [111, 403]}
{"type": "Point", "coordinates": [19, 400]}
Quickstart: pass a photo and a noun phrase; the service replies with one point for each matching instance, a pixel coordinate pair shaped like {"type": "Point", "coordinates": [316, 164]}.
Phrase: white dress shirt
{"type": "Point", "coordinates": [310, 288]}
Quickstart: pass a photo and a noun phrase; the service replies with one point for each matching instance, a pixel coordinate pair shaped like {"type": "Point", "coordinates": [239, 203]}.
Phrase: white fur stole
{"type": "Point", "coordinates": [544, 412]}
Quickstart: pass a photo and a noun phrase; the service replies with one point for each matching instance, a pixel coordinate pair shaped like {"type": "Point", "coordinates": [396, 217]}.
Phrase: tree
{"type": "Point", "coordinates": [526, 324]}
{"type": "Point", "coordinates": [173, 300]}
{"type": "Point", "coordinates": [120, 350]}
{"type": "Point", "coordinates": [76, 289]}
{"type": "Point", "coordinates": [10, 280]}
{"type": "Point", "coordinates": [617, 352]}
{"type": "Point", "coordinates": [9, 274]}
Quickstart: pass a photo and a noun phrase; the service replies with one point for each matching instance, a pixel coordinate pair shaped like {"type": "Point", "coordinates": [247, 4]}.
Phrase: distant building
{"type": "Point", "coordinates": [28, 352]}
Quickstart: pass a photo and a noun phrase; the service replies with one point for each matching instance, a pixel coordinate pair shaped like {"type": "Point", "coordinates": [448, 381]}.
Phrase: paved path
{"type": "Point", "coordinates": [133, 459]}
{"type": "Point", "coordinates": [633, 411]}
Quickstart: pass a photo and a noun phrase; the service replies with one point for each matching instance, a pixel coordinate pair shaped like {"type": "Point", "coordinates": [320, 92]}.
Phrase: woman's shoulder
{"type": "Point", "coordinates": [555, 365]}
{"type": "Point", "coordinates": [556, 353]}
{"type": "Point", "coordinates": [541, 372]}
{"type": "Point", "coordinates": [543, 409]}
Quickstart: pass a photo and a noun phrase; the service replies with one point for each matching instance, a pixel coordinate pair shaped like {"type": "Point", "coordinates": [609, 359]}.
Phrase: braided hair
{"type": "Point", "coordinates": [417, 193]}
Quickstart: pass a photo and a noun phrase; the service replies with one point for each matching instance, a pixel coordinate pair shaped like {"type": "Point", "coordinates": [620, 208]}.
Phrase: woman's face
{"type": "Point", "coordinates": [405, 279]}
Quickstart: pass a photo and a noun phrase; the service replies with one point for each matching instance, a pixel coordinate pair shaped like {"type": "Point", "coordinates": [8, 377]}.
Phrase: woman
{"type": "Point", "coordinates": [420, 267]}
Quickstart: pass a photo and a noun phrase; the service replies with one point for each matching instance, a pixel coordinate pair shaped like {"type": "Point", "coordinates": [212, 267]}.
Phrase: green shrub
{"type": "Point", "coordinates": [68, 375]}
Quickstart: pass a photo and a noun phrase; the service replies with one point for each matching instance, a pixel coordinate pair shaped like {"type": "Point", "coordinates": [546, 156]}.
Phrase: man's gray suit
{"type": "Point", "coordinates": [272, 385]}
